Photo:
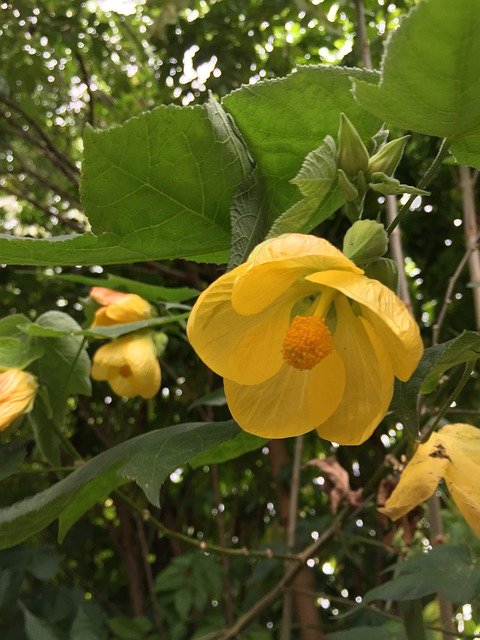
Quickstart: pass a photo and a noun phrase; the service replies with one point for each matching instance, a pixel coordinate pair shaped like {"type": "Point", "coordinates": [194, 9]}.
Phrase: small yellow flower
{"type": "Point", "coordinates": [130, 366]}
{"type": "Point", "coordinates": [453, 454]}
{"type": "Point", "coordinates": [304, 341]}
{"type": "Point", "coordinates": [118, 308]}
{"type": "Point", "coordinates": [17, 392]}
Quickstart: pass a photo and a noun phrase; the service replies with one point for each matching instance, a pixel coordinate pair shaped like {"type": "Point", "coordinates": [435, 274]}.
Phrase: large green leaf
{"type": "Point", "coordinates": [283, 120]}
{"type": "Point", "coordinates": [159, 186]}
{"type": "Point", "coordinates": [386, 632]}
{"type": "Point", "coordinates": [36, 628]}
{"type": "Point", "coordinates": [430, 77]}
{"type": "Point", "coordinates": [147, 459]}
{"type": "Point", "coordinates": [446, 569]}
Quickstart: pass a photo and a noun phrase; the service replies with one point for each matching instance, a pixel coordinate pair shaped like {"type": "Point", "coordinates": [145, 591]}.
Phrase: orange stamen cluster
{"type": "Point", "coordinates": [307, 342]}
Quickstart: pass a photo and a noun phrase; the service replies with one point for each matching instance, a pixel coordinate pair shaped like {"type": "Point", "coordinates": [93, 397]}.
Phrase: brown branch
{"type": "Point", "coordinates": [362, 35]}
{"type": "Point", "coordinates": [287, 578]}
{"type": "Point", "coordinates": [157, 614]}
{"type": "Point", "coordinates": [86, 79]}
{"type": "Point", "coordinates": [62, 157]}
{"type": "Point", "coordinates": [41, 179]}
{"type": "Point", "coordinates": [29, 138]}
{"type": "Point", "coordinates": [49, 211]}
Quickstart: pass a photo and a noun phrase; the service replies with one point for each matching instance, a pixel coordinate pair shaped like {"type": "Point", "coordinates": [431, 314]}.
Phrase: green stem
{"type": "Point", "coordinates": [432, 170]}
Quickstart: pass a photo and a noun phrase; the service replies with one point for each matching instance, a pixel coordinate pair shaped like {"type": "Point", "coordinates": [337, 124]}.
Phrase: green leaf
{"type": "Point", "coordinates": [306, 214]}
{"type": "Point", "coordinates": [147, 459]}
{"type": "Point", "coordinates": [386, 632]}
{"type": "Point", "coordinates": [150, 292]}
{"type": "Point", "coordinates": [446, 569]}
{"type": "Point", "coordinates": [65, 367]}
{"type": "Point", "coordinates": [412, 615]}
{"type": "Point", "coordinates": [435, 361]}
{"type": "Point", "coordinates": [248, 214]}
{"type": "Point", "coordinates": [18, 354]}
{"type": "Point", "coordinates": [391, 186]}
{"type": "Point", "coordinates": [157, 187]}
{"type": "Point", "coordinates": [213, 399]}
{"type": "Point", "coordinates": [11, 326]}
{"type": "Point", "coordinates": [318, 171]}
{"type": "Point", "coordinates": [36, 628]}
{"type": "Point", "coordinates": [46, 439]}
{"type": "Point", "coordinates": [462, 349]}
{"type": "Point", "coordinates": [126, 628]}
{"type": "Point", "coordinates": [243, 443]}
{"type": "Point", "coordinates": [280, 118]}
{"type": "Point", "coordinates": [87, 625]}
{"type": "Point", "coordinates": [11, 457]}
{"type": "Point", "coordinates": [430, 77]}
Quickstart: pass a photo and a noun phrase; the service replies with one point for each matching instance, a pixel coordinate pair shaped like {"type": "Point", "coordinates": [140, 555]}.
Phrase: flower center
{"type": "Point", "coordinates": [307, 342]}
{"type": "Point", "coordinates": [125, 371]}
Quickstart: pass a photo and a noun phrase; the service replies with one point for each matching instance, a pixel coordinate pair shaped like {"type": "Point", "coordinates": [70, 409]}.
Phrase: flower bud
{"type": "Point", "coordinates": [365, 242]}
{"type": "Point", "coordinates": [385, 271]}
{"type": "Point", "coordinates": [352, 153]}
{"type": "Point", "coordinates": [160, 340]}
{"type": "Point", "coordinates": [348, 189]}
{"type": "Point", "coordinates": [388, 157]}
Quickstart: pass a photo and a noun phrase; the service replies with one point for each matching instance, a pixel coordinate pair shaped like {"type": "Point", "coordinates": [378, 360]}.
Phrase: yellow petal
{"type": "Point", "coordinates": [278, 263]}
{"type": "Point", "coordinates": [130, 366]}
{"type": "Point", "coordinates": [369, 380]}
{"type": "Point", "coordinates": [127, 308]}
{"type": "Point", "coordinates": [245, 349]}
{"type": "Point", "coordinates": [305, 249]}
{"type": "Point", "coordinates": [105, 296]}
{"type": "Point", "coordinates": [462, 445]}
{"type": "Point", "coordinates": [389, 317]}
{"type": "Point", "coordinates": [419, 478]}
{"type": "Point", "coordinates": [17, 393]}
{"type": "Point", "coordinates": [290, 403]}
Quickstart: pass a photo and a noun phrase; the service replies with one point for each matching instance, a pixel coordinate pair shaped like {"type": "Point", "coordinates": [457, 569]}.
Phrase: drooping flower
{"type": "Point", "coordinates": [304, 340]}
{"type": "Point", "coordinates": [130, 366]}
{"type": "Point", "coordinates": [17, 393]}
{"type": "Point", "coordinates": [128, 363]}
{"type": "Point", "coordinates": [118, 308]}
{"type": "Point", "coordinates": [453, 454]}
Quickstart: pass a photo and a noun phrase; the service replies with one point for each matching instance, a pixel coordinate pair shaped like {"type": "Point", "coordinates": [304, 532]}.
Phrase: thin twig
{"type": "Point", "coordinates": [285, 632]}
{"type": "Point", "coordinates": [425, 181]}
{"type": "Point", "coordinates": [447, 300]}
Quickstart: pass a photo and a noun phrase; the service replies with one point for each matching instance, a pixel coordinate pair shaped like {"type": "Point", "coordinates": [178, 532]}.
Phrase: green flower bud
{"type": "Point", "coordinates": [352, 153]}
{"type": "Point", "coordinates": [161, 340]}
{"type": "Point", "coordinates": [385, 271]}
{"type": "Point", "coordinates": [349, 190]}
{"type": "Point", "coordinates": [387, 158]}
{"type": "Point", "coordinates": [365, 242]}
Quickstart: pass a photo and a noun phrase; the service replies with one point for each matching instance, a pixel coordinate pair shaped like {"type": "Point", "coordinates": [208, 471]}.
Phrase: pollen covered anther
{"type": "Point", "coordinates": [307, 342]}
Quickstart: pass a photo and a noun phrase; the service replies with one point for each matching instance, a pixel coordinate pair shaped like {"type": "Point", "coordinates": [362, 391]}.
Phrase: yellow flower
{"type": "Point", "coordinates": [304, 341]}
{"type": "Point", "coordinates": [130, 366]}
{"type": "Point", "coordinates": [17, 392]}
{"type": "Point", "coordinates": [118, 308]}
{"type": "Point", "coordinates": [454, 454]}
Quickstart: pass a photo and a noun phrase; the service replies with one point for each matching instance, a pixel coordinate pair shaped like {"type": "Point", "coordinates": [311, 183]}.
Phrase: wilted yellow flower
{"type": "Point", "coordinates": [304, 341]}
{"type": "Point", "coordinates": [17, 392]}
{"type": "Point", "coordinates": [130, 366]}
{"type": "Point", "coordinates": [118, 308]}
{"type": "Point", "coordinates": [453, 454]}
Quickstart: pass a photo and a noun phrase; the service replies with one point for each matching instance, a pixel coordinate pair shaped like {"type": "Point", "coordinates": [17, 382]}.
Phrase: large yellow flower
{"type": "Point", "coordinates": [118, 308]}
{"type": "Point", "coordinates": [130, 366]}
{"type": "Point", "coordinates": [304, 341]}
{"type": "Point", "coordinates": [454, 454]}
{"type": "Point", "coordinates": [17, 393]}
